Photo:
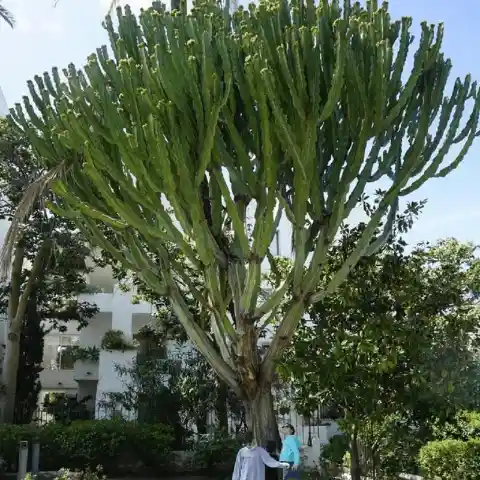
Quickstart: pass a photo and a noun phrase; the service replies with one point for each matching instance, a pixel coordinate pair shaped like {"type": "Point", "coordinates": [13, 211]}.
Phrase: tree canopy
{"type": "Point", "coordinates": [48, 273]}
{"type": "Point", "coordinates": [398, 338]}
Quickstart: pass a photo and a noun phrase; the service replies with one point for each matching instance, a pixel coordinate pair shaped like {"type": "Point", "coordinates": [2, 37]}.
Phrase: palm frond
{"type": "Point", "coordinates": [34, 193]}
{"type": "Point", "coordinates": [113, 4]}
{"type": "Point", "coordinates": [7, 16]}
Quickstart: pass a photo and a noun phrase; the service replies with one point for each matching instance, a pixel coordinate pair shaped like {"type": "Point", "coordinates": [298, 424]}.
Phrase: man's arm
{"type": "Point", "coordinates": [269, 461]}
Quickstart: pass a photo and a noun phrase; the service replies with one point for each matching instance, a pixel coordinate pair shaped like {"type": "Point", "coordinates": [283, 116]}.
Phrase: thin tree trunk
{"type": "Point", "coordinates": [201, 423]}
{"type": "Point", "coordinates": [17, 306]}
{"type": "Point", "coordinates": [221, 410]}
{"type": "Point", "coordinates": [10, 369]}
{"type": "Point", "coordinates": [355, 467]}
{"type": "Point", "coordinates": [30, 359]}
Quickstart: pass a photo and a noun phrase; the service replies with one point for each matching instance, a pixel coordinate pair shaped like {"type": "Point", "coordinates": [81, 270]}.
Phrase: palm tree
{"type": "Point", "coordinates": [7, 16]}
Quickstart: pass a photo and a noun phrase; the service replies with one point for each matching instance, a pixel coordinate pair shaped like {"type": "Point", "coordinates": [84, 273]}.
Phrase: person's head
{"type": "Point", "coordinates": [288, 429]}
{"type": "Point", "coordinates": [248, 437]}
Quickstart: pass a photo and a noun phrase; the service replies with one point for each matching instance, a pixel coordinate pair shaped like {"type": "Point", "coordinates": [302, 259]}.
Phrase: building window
{"type": "Point", "coordinates": [56, 354]}
{"type": "Point", "coordinates": [65, 359]}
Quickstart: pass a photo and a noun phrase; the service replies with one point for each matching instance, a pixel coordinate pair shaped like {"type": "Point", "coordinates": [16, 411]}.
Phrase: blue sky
{"type": "Point", "coordinates": [47, 36]}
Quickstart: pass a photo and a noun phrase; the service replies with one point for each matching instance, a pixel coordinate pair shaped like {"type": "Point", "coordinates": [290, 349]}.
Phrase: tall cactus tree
{"type": "Point", "coordinates": [202, 123]}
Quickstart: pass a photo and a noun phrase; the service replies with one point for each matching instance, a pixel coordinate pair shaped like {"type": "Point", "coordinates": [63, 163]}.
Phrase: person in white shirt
{"type": "Point", "coordinates": [251, 461]}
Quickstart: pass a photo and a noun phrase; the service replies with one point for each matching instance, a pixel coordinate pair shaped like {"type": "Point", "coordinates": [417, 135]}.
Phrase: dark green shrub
{"type": "Point", "coordinates": [217, 453]}
{"type": "Point", "coordinates": [451, 460]}
{"type": "Point", "coordinates": [334, 450]}
{"type": "Point", "coordinates": [66, 408]}
{"type": "Point", "coordinates": [115, 340]}
{"type": "Point", "coordinates": [10, 437]}
{"type": "Point", "coordinates": [120, 447]}
{"type": "Point", "coordinates": [466, 425]}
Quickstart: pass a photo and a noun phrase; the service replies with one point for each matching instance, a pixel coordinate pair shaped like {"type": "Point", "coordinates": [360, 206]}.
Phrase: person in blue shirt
{"type": "Point", "coordinates": [290, 452]}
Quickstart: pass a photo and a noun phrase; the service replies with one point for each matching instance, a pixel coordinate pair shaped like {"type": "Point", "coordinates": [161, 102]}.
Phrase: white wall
{"type": "Point", "coordinates": [57, 380]}
{"type": "Point", "coordinates": [108, 380]}
{"type": "Point", "coordinates": [3, 105]}
{"type": "Point", "coordinates": [92, 334]}
{"type": "Point", "coordinates": [87, 389]}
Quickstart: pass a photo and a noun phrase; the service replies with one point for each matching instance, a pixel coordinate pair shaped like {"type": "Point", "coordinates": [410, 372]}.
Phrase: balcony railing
{"type": "Point", "coordinates": [56, 365]}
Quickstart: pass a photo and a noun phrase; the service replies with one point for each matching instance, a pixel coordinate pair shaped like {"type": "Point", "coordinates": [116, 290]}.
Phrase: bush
{"type": "Point", "coordinates": [332, 456]}
{"type": "Point", "coordinates": [466, 425]}
{"type": "Point", "coordinates": [334, 451]}
{"type": "Point", "coordinates": [217, 453]}
{"type": "Point", "coordinates": [65, 474]}
{"type": "Point", "coordinates": [391, 445]}
{"type": "Point", "coordinates": [66, 408]}
{"type": "Point", "coordinates": [119, 446]}
{"type": "Point", "coordinates": [451, 460]}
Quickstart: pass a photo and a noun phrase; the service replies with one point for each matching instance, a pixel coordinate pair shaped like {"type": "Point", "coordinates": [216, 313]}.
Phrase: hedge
{"type": "Point", "coordinates": [217, 453]}
{"type": "Point", "coordinates": [120, 447]}
{"type": "Point", "coordinates": [451, 460]}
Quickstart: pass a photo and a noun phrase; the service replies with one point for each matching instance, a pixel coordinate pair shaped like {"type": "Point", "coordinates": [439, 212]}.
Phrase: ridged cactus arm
{"type": "Point", "coordinates": [97, 237]}
{"type": "Point", "coordinates": [452, 112]}
{"type": "Point", "coordinates": [202, 341]}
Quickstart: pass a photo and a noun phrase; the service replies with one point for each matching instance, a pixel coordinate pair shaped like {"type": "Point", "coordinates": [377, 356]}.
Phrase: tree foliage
{"type": "Point", "coordinates": [397, 341]}
{"type": "Point", "coordinates": [400, 332]}
{"type": "Point", "coordinates": [282, 110]}
{"type": "Point", "coordinates": [37, 295]}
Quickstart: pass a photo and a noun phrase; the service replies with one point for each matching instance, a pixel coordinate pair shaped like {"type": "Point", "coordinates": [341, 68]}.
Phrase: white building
{"type": "Point", "coordinates": [117, 311]}
{"type": "Point", "coordinates": [3, 104]}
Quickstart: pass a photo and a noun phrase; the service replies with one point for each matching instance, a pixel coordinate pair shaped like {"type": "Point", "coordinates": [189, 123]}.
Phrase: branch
{"type": "Point", "coordinates": [201, 340]}
{"type": "Point", "coordinates": [34, 193]}
{"type": "Point", "coordinates": [218, 330]}
{"type": "Point", "coordinates": [354, 257]}
{"type": "Point", "coordinates": [275, 298]}
{"type": "Point", "coordinates": [282, 337]}
{"type": "Point", "coordinates": [35, 272]}
{"type": "Point", "coordinates": [15, 282]}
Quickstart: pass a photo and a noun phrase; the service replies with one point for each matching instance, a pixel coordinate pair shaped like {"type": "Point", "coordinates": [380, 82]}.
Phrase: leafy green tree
{"type": "Point", "coordinates": [47, 275]}
{"type": "Point", "coordinates": [397, 336]}
{"type": "Point", "coordinates": [282, 110]}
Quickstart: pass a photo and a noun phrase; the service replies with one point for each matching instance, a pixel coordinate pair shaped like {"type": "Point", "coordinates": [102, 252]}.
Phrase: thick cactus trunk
{"type": "Point", "coordinates": [261, 419]}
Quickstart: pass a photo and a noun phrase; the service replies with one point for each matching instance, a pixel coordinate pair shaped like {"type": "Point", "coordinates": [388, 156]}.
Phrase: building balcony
{"type": "Point", "coordinates": [117, 302]}
{"type": "Point", "coordinates": [53, 378]}
{"type": "Point", "coordinates": [103, 301]}
{"type": "Point", "coordinates": [85, 370]}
